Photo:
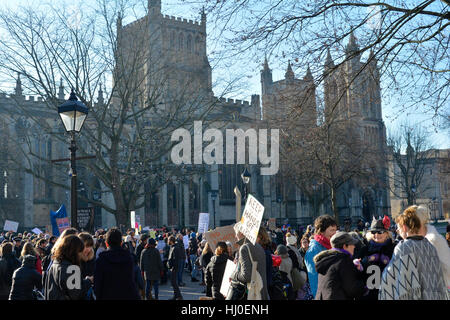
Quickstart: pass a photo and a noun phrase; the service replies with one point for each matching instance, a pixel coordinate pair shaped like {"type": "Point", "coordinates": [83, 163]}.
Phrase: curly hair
{"type": "Point", "coordinates": [69, 249]}
{"type": "Point", "coordinates": [28, 248]}
{"type": "Point", "coordinates": [323, 222]}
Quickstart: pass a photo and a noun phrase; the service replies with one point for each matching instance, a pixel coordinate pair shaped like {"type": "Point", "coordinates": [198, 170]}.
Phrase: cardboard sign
{"type": "Point", "coordinates": [251, 219]}
{"type": "Point", "coordinates": [225, 286]}
{"type": "Point", "coordinates": [224, 234]}
{"type": "Point", "coordinates": [272, 223]}
{"type": "Point", "coordinates": [11, 226]}
{"type": "Point", "coordinates": [203, 222]}
{"type": "Point", "coordinates": [133, 219]}
{"type": "Point", "coordinates": [36, 231]}
{"type": "Point", "coordinates": [63, 224]}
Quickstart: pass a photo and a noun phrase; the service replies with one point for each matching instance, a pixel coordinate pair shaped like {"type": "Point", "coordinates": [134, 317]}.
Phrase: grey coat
{"type": "Point", "coordinates": [151, 264]}
{"type": "Point", "coordinates": [243, 271]}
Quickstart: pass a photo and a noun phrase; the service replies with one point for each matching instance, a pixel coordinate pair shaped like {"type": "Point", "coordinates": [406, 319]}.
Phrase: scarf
{"type": "Point", "coordinates": [323, 241]}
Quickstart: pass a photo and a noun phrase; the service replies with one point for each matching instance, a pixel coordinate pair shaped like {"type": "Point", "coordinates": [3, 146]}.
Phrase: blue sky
{"type": "Point", "coordinates": [248, 70]}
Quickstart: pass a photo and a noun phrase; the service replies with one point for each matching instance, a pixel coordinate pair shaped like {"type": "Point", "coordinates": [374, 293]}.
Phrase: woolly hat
{"type": "Point", "coordinates": [281, 249]}
{"type": "Point", "coordinates": [291, 240]}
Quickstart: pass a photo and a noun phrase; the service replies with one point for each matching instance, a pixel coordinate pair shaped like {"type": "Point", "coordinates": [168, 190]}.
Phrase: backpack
{"type": "Point", "coordinates": [281, 288]}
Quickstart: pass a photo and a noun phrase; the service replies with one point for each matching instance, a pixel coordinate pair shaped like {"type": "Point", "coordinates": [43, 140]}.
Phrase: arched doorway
{"type": "Point", "coordinates": [368, 207]}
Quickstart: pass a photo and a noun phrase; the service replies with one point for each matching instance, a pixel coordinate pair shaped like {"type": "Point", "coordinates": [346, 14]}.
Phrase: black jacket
{"type": "Point", "coordinates": [214, 275]}
{"type": "Point", "coordinates": [57, 280]}
{"type": "Point", "coordinates": [8, 264]}
{"type": "Point", "coordinates": [193, 246]}
{"type": "Point", "coordinates": [138, 252]}
{"type": "Point", "coordinates": [379, 253]}
{"type": "Point", "coordinates": [176, 254]}
{"type": "Point", "coordinates": [205, 259]}
{"type": "Point", "coordinates": [338, 277]}
{"type": "Point", "coordinates": [114, 276]}
{"type": "Point", "coordinates": [151, 264]}
{"type": "Point", "coordinates": [87, 268]}
{"type": "Point", "coordinates": [25, 279]}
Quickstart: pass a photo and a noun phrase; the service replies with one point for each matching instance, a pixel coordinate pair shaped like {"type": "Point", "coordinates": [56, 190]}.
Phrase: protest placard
{"type": "Point", "coordinates": [36, 231]}
{"type": "Point", "coordinates": [63, 224]}
{"type": "Point", "coordinates": [10, 226]}
{"type": "Point", "coordinates": [203, 222]}
{"type": "Point", "coordinates": [85, 219]}
{"type": "Point", "coordinates": [225, 286]}
{"type": "Point", "coordinates": [224, 234]}
{"type": "Point", "coordinates": [251, 219]}
{"type": "Point", "coordinates": [272, 224]}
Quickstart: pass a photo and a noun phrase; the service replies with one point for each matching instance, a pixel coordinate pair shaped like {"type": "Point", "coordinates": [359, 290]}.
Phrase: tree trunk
{"type": "Point", "coordinates": [334, 205]}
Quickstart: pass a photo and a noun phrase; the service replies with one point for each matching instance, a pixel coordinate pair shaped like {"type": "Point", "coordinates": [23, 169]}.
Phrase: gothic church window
{"type": "Point", "coordinates": [198, 43]}
{"type": "Point", "coordinates": [172, 39]}
{"type": "Point", "coordinates": [189, 43]}
{"type": "Point", "coordinates": [180, 42]}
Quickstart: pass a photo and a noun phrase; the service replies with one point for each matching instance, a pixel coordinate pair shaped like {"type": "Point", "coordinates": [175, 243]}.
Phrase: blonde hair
{"type": "Point", "coordinates": [409, 219]}
{"type": "Point", "coordinates": [28, 248]}
{"type": "Point", "coordinates": [206, 249]}
{"type": "Point", "coordinates": [422, 214]}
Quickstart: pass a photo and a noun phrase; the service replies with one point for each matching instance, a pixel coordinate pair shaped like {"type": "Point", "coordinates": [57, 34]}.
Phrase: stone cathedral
{"type": "Point", "coordinates": [174, 57]}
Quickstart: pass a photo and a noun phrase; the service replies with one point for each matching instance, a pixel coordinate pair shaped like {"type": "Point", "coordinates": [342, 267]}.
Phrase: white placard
{"type": "Point", "coordinates": [133, 219]}
{"type": "Point", "coordinates": [36, 231]}
{"type": "Point", "coordinates": [11, 226]}
{"type": "Point", "coordinates": [203, 222]}
{"type": "Point", "coordinates": [251, 219]}
{"type": "Point", "coordinates": [186, 241]}
{"type": "Point", "coordinates": [225, 286]}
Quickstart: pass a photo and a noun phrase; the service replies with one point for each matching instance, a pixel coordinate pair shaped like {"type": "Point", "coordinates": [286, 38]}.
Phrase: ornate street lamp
{"type": "Point", "coordinates": [246, 179]}
{"type": "Point", "coordinates": [73, 113]}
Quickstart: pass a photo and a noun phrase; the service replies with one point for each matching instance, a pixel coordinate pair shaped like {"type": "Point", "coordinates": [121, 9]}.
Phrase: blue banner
{"type": "Point", "coordinates": [55, 218]}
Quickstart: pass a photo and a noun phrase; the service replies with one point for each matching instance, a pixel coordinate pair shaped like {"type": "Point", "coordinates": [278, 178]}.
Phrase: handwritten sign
{"type": "Point", "coordinates": [203, 222]}
{"type": "Point", "coordinates": [224, 234]}
{"type": "Point", "coordinates": [225, 286]}
{"type": "Point", "coordinates": [251, 219]}
{"type": "Point", "coordinates": [85, 218]}
{"type": "Point", "coordinates": [11, 226]}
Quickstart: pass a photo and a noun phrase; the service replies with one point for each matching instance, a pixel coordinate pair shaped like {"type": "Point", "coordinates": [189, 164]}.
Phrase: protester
{"type": "Point", "coordinates": [165, 257]}
{"type": "Point", "coordinates": [301, 288]}
{"type": "Point", "coordinates": [304, 245]}
{"type": "Point", "coordinates": [415, 271]}
{"type": "Point", "coordinates": [249, 254]}
{"type": "Point", "coordinates": [438, 241]}
{"type": "Point", "coordinates": [285, 268]}
{"type": "Point", "coordinates": [215, 270]}
{"type": "Point", "coordinates": [51, 243]}
{"type": "Point", "coordinates": [8, 264]}
{"type": "Point", "coordinates": [41, 245]}
{"type": "Point", "coordinates": [325, 227]}
{"type": "Point", "coordinates": [378, 252]}
{"type": "Point", "coordinates": [142, 243]}
{"type": "Point", "coordinates": [101, 246]}
{"type": "Point", "coordinates": [264, 240]}
{"type": "Point", "coordinates": [114, 276]}
{"type": "Point", "coordinates": [88, 258]}
{"type": "Point", "coordinates": [181, 258]}
{"type": "Point", "coordinates": [338, 277]}
{"type": "Point", "coordinates": [18, 246]}
{"type": "Point", "coordinates": [152, 267]}
{"type": "Point", "coordinates": [173, 264]}
{"type": "Point", "coordinates": [28, 249]}
{"type": "Point", "coordinates": [67, 254]}
{"type": "Point", "coordinates": [25, 279]}
{"type": "Point", "coordinates": [192, 250]}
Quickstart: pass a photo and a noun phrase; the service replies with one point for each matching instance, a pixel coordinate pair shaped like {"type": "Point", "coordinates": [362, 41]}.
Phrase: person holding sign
{"type": "Point", "coordinates": [249, 256]}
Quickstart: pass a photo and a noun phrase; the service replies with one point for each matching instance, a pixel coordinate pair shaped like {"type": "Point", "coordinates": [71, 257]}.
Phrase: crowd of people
{"type": "Point", "coordinates": [376, 261]}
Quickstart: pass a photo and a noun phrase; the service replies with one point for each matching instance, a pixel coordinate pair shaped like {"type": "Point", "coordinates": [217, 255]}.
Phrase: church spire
{"type": "Point", "coordinates": [18, 91]}
{"type": "Point", "coordinates": [329, 60]}
{"type": "Point", "coordinates": [352, 47]}
{"type": "Point", "coordinates": [289, 73]}
{"type": "Point", "coordinates": [308, 76]}
{"type": "Point", "coordinates": [61, 90]}
{"type": "Point", "coordinates": [100, 98]}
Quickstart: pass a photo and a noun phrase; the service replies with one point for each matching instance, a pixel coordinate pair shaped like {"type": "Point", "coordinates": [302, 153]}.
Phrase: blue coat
{"type": "Point", "coordinates": [314, 248]}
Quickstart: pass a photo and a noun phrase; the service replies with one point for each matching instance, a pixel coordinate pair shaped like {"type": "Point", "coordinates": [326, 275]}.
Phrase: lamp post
{"type": "Point", "coordinates": [73, 113]}
{"type": "Point", "coordinates": [213, 198]}
{"type": "Point", "coordinates": [246, 179]}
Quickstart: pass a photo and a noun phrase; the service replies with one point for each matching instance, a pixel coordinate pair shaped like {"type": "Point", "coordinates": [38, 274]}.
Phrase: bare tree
{"type": "Point", "coordinates": [410, 150]}
{"type": "Point", "coordinates": [129, 127]}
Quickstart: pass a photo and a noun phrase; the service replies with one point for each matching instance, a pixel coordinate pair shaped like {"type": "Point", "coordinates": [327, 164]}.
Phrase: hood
{"type": "Point", "coordinates": [29, 261]}
{"type": "Point", "coordinates": [117, 256]}
{"type": "Point", "coordinates": [326, 259]}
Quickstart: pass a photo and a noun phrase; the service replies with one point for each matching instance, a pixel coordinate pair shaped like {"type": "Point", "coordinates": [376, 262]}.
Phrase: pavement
{"type": "Point", "coordinates": [191, 290]}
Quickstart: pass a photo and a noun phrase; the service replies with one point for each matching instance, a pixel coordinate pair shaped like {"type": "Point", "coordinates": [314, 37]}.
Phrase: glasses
{"type": "Point", "coordinates": [377, 232]}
